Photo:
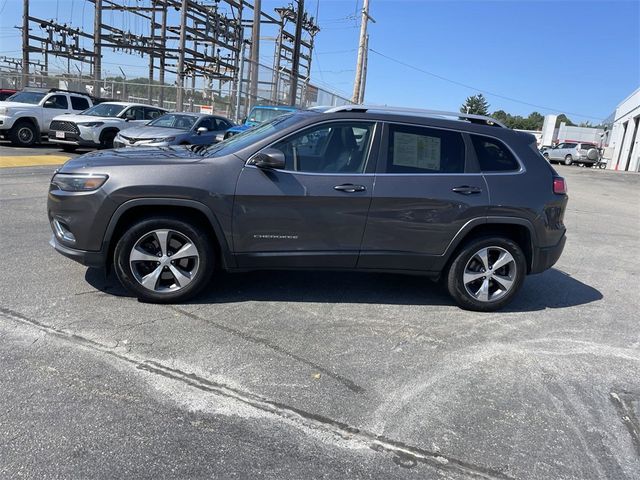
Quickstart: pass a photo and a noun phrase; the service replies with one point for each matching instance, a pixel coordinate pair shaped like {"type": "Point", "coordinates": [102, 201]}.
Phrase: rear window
{"type": "Point", "coordinates": [424, 150]}
{"type": "Point", "coordinates": [493, 155]}
{"type": "Point", "coordinates": [587, 146]}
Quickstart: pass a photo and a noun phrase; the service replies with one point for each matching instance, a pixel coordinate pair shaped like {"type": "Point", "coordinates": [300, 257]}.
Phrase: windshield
{"type": "Point", "coordinates": [261, 115]}
{"type": "Point", "coordinates": [172, 120]}
{"type": "Point", "coordinates": [104, 110]}
{"type": "Point", "coordinates": [27, 97]}
{"type": "Point", "coordinates": [249, 137]}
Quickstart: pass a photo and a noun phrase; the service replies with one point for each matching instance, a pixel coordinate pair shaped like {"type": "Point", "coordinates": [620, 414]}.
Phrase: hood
{"type": "Point", "coordinates": [76, 118]}
{"type": "Point", "coordinates": [134, 156]}
{"type": "Point", "coordinates": [153, 132]}
{"type": "Point", "coordinates": [16, 105]}
{"type": "Point", "coordinates": [242, 128]}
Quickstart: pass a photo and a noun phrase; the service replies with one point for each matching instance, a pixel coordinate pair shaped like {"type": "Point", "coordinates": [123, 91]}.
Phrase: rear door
{"type": "Point", "coordinates": [427, 187]}
{"type": "Point", "coordinates": [313, 212]}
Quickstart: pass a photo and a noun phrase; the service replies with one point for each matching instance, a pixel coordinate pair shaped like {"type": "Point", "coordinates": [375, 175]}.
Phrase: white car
{"type": "Point", "coordinates": [25, 117]}
{"type": "Point", "coordinates": [99, 125]}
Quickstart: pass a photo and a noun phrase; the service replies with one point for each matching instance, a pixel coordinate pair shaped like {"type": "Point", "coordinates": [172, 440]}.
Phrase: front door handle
{"type": "Point", "coordinates": [350, 188]}
{"type": "Point", "coordinates": [467, 190]}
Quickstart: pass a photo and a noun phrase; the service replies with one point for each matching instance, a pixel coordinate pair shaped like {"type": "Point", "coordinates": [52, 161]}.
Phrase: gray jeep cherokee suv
{"type": "Point", "coordinates": [451, 196]}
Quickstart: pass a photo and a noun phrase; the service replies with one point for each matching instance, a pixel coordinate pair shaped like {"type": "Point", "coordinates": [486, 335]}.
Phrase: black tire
{"type": "Point", "coordinates": [107, 138]}
{"type": "Point", "coordinates": [455, 275]}
{"type": "Point", "coordinates": [69, 148]}
{"type": "Point", "coordinates": [143, 229]}
{"type": "Point", "coordinates": [23, 134]}
{"type": "Point", "coordinates": [568, 160]}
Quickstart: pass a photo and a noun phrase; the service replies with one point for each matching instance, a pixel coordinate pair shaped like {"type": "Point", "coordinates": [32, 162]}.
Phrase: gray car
{"type": "Point", "coordinates": [461, 198]}
{"type": "Point", "coordinates": [585, 153]}
{"type": "Point", "coordinates": [181, 128]}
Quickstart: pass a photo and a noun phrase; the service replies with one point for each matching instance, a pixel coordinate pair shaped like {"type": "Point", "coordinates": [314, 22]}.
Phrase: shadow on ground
{"type": "Point", "coordinates": [551, 289]}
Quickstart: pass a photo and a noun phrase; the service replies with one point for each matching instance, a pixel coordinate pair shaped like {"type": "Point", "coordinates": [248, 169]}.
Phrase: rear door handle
{"type": "Point", "coordinates": [350, 188]}
{"type": "Point", "coordinates": [467, 190]}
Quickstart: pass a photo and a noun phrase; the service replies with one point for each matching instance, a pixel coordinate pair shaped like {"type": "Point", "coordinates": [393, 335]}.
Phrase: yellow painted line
{"type": "Point", "coordinates": [31, 160]}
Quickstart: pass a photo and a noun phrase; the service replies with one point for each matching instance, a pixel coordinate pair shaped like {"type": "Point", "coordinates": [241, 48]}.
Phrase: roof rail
{"type": "Point", "coordinates": [51, 90]}
{"type": "Point", "coordinates": [481, 119]}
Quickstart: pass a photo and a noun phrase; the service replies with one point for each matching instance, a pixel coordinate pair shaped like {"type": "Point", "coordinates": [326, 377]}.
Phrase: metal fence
{"type": "Point", "coordinates": [229, 98]}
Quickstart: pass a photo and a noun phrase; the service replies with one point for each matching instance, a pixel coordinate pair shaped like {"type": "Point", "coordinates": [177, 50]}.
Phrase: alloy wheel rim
{"type": "Point", "coordinates": [25, 134]}
{"type": "Point", "coordinates": [490, 274]}
{"type": "Point", "coordinates": [164, 261]}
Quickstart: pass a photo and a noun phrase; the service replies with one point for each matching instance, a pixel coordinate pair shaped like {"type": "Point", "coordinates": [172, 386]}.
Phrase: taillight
{"type": "Point", "coordinates": [559, 186]}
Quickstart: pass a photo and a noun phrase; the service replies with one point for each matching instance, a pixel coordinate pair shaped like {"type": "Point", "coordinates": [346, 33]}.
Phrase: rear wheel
{"type": "Point", "coordinates": [164, 260]}
{"type": "Point", "coordinates": [23, 134]}
{"type": "Point", "coordinates": [486, 274]}
{"type": "Point", "coordinates": [568, 160]}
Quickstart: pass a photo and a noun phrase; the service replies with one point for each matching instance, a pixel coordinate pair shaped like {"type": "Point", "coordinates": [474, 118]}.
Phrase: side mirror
{"type": "Point", "coordinates": [202, 130]}
{"type": "Point", "coordinates": [269, 158]}
{"type": "Point", "coordinates": [49, 104]}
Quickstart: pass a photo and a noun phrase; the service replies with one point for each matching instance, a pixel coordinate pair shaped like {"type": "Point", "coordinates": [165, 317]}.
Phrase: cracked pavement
{"type": "Point", "coordinates": [320, 374]}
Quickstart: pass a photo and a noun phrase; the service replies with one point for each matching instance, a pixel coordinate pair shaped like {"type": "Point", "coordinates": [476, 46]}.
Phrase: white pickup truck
{"type": "Point", "coordinates": [25, 117]}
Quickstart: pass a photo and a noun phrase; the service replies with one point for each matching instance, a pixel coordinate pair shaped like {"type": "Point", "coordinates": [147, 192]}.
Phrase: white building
{"type": "Point", "coordinates": [623, 138]}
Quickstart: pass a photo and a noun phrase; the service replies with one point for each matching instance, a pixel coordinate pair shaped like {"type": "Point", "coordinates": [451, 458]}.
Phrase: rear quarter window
{"type": "Point", "coordinates": [493, 155]}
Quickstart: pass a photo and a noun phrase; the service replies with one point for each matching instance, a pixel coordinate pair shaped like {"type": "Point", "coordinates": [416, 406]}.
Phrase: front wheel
{"type": "Point", "coordinates": [23, 134]}
{"type": "Point", "coordinates": [486, 274]}
{"type": "Point", "coordinates": [164, 260]}
{"type": "Point", "coordinates": [107, 138]}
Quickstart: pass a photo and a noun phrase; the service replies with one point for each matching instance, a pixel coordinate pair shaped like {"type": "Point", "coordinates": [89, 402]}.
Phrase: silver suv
{"type": "Point", "coordinates": [573, 152]}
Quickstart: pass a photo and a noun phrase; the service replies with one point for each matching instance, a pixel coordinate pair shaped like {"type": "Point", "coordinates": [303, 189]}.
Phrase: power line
{"type": "Point", "coordinates": [471, 87]}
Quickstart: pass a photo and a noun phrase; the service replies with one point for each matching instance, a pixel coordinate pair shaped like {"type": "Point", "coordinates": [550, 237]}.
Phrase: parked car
{"type": "Point", "coordinates": [175, 129]}
{"type": "Point", "coordinates": [99, 125]}
{"type": "Point", "coordinates": [26, 116]}
{"type": "Point", "coordinates": [585, 153]}
{"type": "Point", "coordinates": [6, 93]}
{"type": "Point", "coordinates": [369, 189]}
{"type": "Point", "coordinates": [259, 114]}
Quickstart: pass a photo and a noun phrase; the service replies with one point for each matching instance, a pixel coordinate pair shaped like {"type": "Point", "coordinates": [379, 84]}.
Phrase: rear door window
{"type": "Point", "coordinates": [415, 149]}
{"type": "Point", "coordinates": [79, 103]}
{"type": "Point", "coordinates": [493, 155]}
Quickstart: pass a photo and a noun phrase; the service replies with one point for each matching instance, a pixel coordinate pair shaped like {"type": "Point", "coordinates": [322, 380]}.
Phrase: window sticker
{"type": "Point", "coordinates": [416, 151]}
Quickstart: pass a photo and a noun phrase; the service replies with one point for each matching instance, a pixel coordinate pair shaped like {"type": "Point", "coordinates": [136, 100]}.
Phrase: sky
{"type": "Point", "coordinates": [575, 57]}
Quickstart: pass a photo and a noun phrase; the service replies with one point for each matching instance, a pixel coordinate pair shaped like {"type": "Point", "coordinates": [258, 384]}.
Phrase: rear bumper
{"type": "Point", "coordinates": [545, 258]}
{"type": "Point", "coordinates": [90, 259]}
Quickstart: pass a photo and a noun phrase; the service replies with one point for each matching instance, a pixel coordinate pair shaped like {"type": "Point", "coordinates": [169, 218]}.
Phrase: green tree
{"type": "Point", "coordinates": [475, 104]}
{"type": "Point", "coordinates": [563, 118]}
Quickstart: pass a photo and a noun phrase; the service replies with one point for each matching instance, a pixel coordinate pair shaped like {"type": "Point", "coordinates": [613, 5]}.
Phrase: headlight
{"type": "Point", "coordinates": [166, 139]}
{"type": "Point", "coordinates": [91, 124]}
{"type": "Point", "coordinates": [4, 110]}
{"type": "Point", "coordinates": [78, 183]}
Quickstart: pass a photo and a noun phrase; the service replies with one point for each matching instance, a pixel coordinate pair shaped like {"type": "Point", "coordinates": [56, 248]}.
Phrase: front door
{"type": "Point", "coordinates": [425, 191]}
{"type": "Point", "coordinates": [313, 212]}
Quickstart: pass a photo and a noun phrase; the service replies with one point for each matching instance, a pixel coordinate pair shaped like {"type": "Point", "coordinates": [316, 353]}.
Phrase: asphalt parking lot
{"type": "Point", "coordinates": [323, 375]}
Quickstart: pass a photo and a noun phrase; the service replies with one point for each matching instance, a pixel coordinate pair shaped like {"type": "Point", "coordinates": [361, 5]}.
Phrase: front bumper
{"type": "Point", "coordinates": [89, 259]}
{"type": "Point", "coordinates": [545, 258]}
{"type": "Point", "coordinates": [71, 139]}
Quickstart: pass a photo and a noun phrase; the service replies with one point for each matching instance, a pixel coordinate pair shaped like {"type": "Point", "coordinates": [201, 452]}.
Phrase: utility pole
{"type": "Point", "coordinates": [240, 74]}
{"type": "Point", "coordinates": [25, 43]}
{"type": "Point", "coordinates": [97, 40]}
{"type": "Point", "coordinates": [358, 91]}
{"type": "Point", "coordinates": [152, 32]}
{"type": "Point", "coordinates": [255, 52]}
{"type": "Point", "coordinates": [163, 56]}
{"type": "Point", "coordinates": [295, 65]}
{"type": "Point", "coordinates": [364, 71]}
{"type": "Point", "coordinates": [181, 47]}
